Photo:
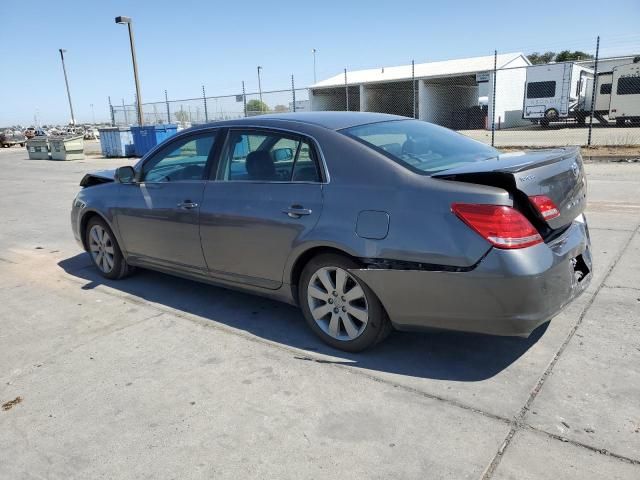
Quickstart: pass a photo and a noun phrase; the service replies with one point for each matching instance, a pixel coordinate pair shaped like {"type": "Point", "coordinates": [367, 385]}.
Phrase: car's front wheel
{"type": "Point", "coordinates": [104, 250]}
{"type": "Point", "coordinates": [339, 308]}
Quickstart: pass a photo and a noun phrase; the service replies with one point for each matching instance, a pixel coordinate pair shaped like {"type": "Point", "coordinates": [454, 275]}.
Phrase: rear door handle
{"type": "Point", "coordinates": [297, 211]}
{"type": "Point", "coordinates": [187, 205]}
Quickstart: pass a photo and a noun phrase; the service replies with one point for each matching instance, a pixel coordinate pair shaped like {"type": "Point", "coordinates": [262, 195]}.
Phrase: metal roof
{"type": "Point", "coordinates": [461, 66]}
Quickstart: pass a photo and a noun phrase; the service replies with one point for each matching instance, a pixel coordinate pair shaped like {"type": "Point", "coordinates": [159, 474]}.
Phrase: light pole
{"type": "Point", "coordinates": [314, 65]}
{"type": "Point", "coordinates": [127, 20]}
{"type": "Point", "coordinates": [66, 81]}
{"type": "Point", "coordinates": [93, 114]}
{"type": "Point", "coordinates": [260, 88]}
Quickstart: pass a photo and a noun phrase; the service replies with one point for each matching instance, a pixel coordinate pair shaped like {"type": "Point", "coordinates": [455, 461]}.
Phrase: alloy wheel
{"type": "Point", "coordinates": [337, 303]}
{"type": "Point", "coordinates": [101, 248]}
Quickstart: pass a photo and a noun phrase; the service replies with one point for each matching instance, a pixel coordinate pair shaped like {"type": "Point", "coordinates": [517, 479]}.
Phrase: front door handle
{"type": "Point", "coordinates": [297, 211]}
{"type": "Point", "coordinates": [187, 205]}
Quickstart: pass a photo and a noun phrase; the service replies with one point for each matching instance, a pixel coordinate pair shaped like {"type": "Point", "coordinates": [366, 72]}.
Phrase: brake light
{"type": "Point", "coordinates": [502, 226]}
{"type": "Point", "coordinates": [545, 206]}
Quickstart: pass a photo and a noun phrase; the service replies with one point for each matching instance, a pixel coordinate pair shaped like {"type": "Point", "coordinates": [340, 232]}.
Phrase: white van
{"type": "Point", "coordinates": [556, 91]}
{"type": "Point", "coordinates": [625, 94]}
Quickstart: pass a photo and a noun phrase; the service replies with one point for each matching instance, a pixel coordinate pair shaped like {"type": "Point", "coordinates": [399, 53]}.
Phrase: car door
{"type": "Point", "coordinates": [158, 216]}
{"type": "Point", "coordinates": [265, 199]}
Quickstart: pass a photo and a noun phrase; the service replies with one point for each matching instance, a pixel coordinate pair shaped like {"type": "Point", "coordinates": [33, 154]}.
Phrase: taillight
{"type": "Point", "coordinates": [545, 206]}
{"type": "Point", "coordinates": [503, 227]}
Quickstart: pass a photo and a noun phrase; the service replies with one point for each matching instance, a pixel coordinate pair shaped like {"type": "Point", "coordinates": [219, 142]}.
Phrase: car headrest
{"type": "Point", "coordinates": [260, 166]}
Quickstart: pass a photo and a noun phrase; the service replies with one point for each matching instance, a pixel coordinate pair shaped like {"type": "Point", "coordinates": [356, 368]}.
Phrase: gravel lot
{"type": "Point", "coordinates": [158, 377]}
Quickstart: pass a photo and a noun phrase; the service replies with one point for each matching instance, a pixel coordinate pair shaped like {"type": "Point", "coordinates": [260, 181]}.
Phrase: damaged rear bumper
{"type": "Point", "coordinates": [509, 292]}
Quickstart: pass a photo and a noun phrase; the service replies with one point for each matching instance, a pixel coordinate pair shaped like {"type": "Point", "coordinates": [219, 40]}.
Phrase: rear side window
{"type": "Point", "coordinates": [420, 146]}
{"type": "Point", "coordinates": [257, 156]}
{"type": "Point", "coordinates": [605, 89]}
{"type": "Point", "coordinates": [628, 86]}
{"type": "Point", "coordinates": [541, 89]}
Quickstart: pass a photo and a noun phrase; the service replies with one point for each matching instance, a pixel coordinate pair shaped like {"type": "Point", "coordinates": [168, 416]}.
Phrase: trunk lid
{"type": "Point", "coordinates": [558, 174]}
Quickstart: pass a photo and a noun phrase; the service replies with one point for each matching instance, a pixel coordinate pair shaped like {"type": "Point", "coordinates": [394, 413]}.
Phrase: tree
{"type": "Point", "coordinates": [280, 108]}
{"type": "Point", "coordinates": [567, 56]}
{"type": "Point", "coordinates": [538, 58]}
{"type": "Point", "coordinates": [257, 106]}
{"type": "Point", "coordinates": [564, 56]}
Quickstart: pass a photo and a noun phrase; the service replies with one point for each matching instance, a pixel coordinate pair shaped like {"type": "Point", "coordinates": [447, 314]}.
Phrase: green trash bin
{"type": "Point", "coordinates": [38, 148]}
{"type": "Point", "coordinates": [67, 147]}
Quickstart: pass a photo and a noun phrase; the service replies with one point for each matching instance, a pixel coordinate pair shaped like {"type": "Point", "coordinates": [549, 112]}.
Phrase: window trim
{"type": "Point", "coordinates": [321, 166]}
{"type": "Point", "coordinates": [187, 137]}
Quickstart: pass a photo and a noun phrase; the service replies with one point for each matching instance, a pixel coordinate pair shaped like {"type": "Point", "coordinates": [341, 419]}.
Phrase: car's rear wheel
{"type": "Point", "coordinates": [105, 251]}
{"type": "Point", "coordinates": [342, 310]}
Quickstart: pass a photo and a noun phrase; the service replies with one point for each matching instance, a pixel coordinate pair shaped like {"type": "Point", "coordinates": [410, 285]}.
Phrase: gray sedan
{"type": "Point", "coordinates": [368, 222]}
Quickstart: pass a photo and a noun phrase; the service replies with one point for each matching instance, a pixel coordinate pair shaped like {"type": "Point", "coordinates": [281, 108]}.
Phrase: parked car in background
{"type": "Point", "coordinates": [366, 221]}
{"type": "Point", "coordinates": [9, 138]}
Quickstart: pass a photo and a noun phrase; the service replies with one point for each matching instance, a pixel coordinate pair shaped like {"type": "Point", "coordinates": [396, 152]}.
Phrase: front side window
{"type": "Point", "coordinates": [267, 157]}
{"type": "Point", "coordinates": [181, 160]}
{"type": "Point", "coordinates": [605, 89]}
{"type": "Point", "coordinates": [541, 89]}
{"type": "Point", "coordinates": [420, 146]}
{"type": "Point", "coordinates": [628, 86]}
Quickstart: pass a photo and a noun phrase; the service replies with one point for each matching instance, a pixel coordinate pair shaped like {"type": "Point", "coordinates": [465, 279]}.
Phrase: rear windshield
{"type": "Point", "coordinates": [421, 146]}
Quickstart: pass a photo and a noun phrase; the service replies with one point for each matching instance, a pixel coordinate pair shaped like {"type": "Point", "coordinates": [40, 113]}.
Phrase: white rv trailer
{"type": "Point", "coordinates": [625, 94]}
{"type": "Point", "coordinates": [556, 91]}
{"type": "Point", "coordinates": [602, 97]}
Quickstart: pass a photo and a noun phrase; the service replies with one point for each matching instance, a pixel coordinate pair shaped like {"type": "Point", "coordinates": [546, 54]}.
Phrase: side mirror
{"type": "Point", "coordinates": [125, 175]}
{"type": "Point", "coordinates": [282, 154]}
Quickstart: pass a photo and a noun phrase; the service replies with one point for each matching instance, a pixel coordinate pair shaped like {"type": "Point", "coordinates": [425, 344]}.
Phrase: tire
{"type": "Point", "coordinates": [351, 325]}
{"type": "Point", "coordinates": [104, 250]}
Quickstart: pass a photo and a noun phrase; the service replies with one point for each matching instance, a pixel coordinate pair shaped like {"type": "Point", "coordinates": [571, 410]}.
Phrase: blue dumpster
{"type": "Point", "coordinates": [148, 136]}
{"type": "Point", "coordinates": [116, 142]}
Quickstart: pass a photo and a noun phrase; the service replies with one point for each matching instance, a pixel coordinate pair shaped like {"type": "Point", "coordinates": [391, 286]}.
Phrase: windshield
{"type": "Point", "coordinates": [421, 146]}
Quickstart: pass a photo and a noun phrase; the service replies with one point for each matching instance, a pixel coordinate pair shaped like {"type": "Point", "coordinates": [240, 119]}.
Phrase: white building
{"type": "Point", "coordinates": [447, 93]}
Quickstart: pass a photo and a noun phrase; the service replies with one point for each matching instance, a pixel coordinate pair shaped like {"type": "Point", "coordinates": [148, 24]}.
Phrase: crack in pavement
{"type": "Point", "coordinates": [519, 422]}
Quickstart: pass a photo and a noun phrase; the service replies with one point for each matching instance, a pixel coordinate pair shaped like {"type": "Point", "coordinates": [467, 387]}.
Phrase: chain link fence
{"type": "Point", "coordinates": [502, 99]}
{"type": "Point", "coordinates": [194, 111]}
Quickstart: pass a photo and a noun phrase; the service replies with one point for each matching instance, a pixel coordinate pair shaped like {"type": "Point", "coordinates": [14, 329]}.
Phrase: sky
{"type": "Point", "coordinates": [185, 44]}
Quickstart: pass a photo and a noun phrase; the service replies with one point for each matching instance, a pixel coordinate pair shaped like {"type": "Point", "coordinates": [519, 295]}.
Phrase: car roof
{"type": "Point", "coordinates": [329, 120]}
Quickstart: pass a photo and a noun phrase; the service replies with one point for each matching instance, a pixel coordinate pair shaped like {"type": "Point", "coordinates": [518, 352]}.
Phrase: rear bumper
{"type": "Point", "coordinates": [510, 292]}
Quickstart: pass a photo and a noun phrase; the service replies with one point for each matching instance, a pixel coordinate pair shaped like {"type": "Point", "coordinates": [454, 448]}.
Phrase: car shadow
{"type": "Point", "coordinates": [436, 355]}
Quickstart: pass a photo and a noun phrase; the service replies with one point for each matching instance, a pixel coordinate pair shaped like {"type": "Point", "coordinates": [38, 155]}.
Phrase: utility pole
{"type": "Point", "coordinates": [127, 20]}
{"type": "Point", "coordinates": [314, 65]}
{"type": "Point", "coordinates": [66, 81]}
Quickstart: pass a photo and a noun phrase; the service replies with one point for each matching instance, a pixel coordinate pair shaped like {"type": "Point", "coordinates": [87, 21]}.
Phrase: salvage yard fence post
{"type": "Point", "coordinates": [346, 89]}
{"type": "Point", "coordinates": [593, 90]}
{"type": "Point", "coordinates": [293, 93]}
{"type": "Point", "coordinates": [166, 101]}
{"type": "Point", "coordinates": [493, 98]}
{"type": "Point", "coordinates": [204, 99]}
{"type": "Point", "coordinates": [244, 99]}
